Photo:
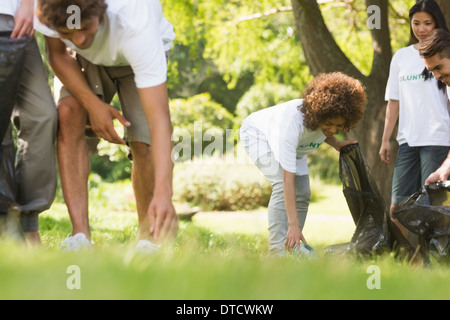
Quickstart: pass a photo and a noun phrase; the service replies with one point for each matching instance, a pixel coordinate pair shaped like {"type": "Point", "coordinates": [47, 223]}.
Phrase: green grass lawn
{"type": "Point", "coordinates": [217, 256]}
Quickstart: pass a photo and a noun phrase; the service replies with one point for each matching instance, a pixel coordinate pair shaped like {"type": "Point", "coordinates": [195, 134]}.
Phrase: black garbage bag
{"type": "Point", "coordinates": [12, 55]}
{"type": "Point", "coordinates": [426, 213]}
{"type": "Point", "coordinates": [374, 230]}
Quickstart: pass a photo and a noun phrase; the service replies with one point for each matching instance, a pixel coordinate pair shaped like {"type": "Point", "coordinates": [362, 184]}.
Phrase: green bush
{"type": "Point", "coordinates": [200, 126]}
{"type": "Point", "coordinates": [225, 187]}
{"type": "Point", "coordinates": [221, 186]}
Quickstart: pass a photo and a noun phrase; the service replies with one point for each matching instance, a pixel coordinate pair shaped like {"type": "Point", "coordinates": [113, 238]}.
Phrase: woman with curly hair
{"type": "Point", "coordinates": [278, 138]}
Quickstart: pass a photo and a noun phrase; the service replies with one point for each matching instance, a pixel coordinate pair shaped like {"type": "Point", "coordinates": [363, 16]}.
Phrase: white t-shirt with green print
{"type": "Point", "coordinates": [132, 33]}
{"type": "Point", "coordinates": [280, 130]}
{"type": "Point", "coordinates": [424, 118]}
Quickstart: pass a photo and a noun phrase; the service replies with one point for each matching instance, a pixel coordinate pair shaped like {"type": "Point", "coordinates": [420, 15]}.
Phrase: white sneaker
{"type": "Point", "coordinates": [146, 246]}
{"type": "Point", "coordinates": [76, 242]}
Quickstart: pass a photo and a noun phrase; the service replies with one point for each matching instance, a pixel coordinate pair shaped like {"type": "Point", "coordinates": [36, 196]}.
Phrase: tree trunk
{"type": "Point", "coordinates": [324, 55]}
{"type": "Point", "coordinates": [445, 7]}
{"type": "Point", "coordinates": [370, 131]}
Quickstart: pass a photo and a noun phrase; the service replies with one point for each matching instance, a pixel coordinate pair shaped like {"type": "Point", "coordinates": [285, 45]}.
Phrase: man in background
{"type": "Point", "coordinates": [436, 54]}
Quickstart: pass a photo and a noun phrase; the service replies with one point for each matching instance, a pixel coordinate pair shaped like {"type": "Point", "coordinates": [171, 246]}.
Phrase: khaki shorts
{"type": "Point", "coordinates": [105, 82]}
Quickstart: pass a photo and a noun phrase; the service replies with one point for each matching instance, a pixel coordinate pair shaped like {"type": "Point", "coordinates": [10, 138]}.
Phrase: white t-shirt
{"type": "Point", "coordinates": [9, 7]}
{"type": "Point", "coordinates": [134, 33]}
{"type": "Point", "coordinates": [282, 127]}
{"type": "Point", "coordinates": [424, 118]}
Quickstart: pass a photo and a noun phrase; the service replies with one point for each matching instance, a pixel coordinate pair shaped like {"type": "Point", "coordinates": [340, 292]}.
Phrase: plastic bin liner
{"type": "Point", "coordinates": [12, 55]}
{"type": "Point", "coordinates": [364, 201]}
{"type": "Point", "coordinates": [374, 231]}
{"type": "Point", "coordinates": [426, 213]}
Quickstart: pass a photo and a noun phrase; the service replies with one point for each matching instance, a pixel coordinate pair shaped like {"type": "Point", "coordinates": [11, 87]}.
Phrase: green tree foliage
{"type": "Point", "coordinates": [227, 48]}
{"type": "Point", "coordinates": [347, 20]}
{"type": "Point", "coordinates": [221, 187]}
{"type": "Point", "coordinates": [200, 127]}
{"type": "Point", "coordinates": [223, 47]}
{"type": "Point", "coordinates": [255, 36]}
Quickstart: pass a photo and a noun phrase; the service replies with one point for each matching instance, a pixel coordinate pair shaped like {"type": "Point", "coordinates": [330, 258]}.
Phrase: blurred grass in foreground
{"type": "Point", "coordinates": [217, 256]}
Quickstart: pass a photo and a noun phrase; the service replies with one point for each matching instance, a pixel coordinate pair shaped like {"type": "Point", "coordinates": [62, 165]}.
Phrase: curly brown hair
{"type": "Point", "coordinates": [333, 95]}
{"type": "Point", "coordinates": [53, 13]}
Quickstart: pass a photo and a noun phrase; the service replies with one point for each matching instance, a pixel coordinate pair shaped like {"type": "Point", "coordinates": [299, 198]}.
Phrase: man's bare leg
{"type": "Point", "coordinates": [142, 176]}
{"type": "Point", "coordinates": [73, 161]}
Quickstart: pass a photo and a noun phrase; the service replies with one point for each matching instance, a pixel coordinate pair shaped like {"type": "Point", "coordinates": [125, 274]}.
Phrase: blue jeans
{"type": "Point", "coordinates": [412, 168]}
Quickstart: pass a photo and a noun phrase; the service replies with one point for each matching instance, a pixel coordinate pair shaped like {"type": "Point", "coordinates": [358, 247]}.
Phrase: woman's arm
{"type": "Point", "coordinates": [392, 112]}
{"type": "Point", "coordinates": [294, 234]}
{"type": "Point", "coordinates": [337, 144]}
{"type": "Point", "coordinates": [23, 20]}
